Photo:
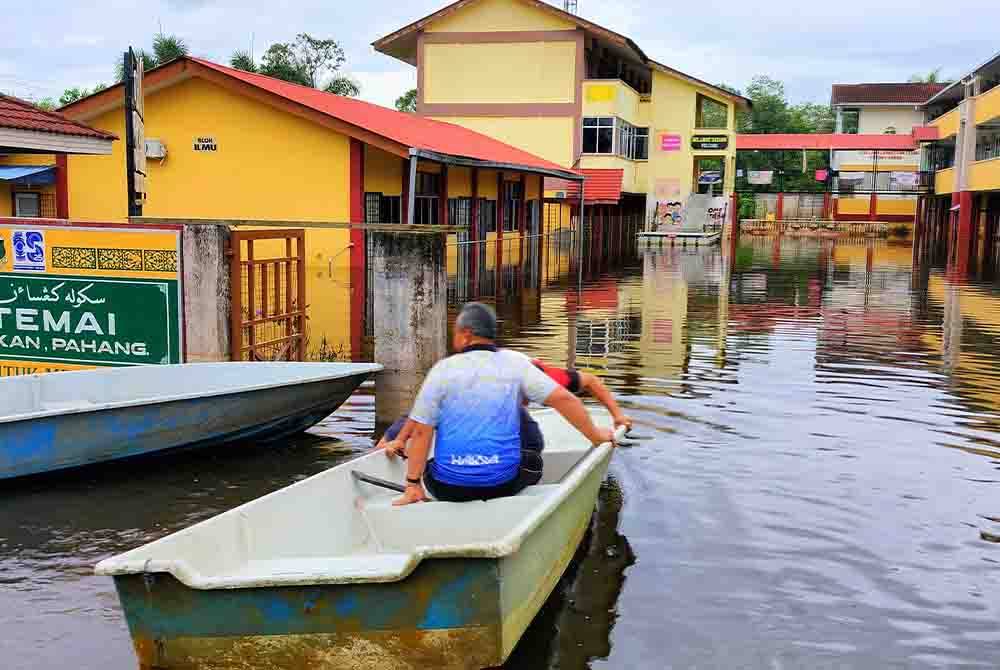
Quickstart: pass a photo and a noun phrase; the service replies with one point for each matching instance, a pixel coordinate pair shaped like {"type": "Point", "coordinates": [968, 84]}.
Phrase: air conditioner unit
{"type": "Point", "coordinates": [156, 149]}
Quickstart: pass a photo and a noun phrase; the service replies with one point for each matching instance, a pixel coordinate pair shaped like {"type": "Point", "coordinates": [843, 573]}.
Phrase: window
{"type": "Point", "coordinates": [382, 208]}
{"type": "Point", "coordinates": [611, 135]}
{"type": "Point", "coordinates": [598, 134]}
{"type": "Point", "coordinates": [710, 113]}
{"type": "Point", "coordinates": [27, 204]}
{"type": "Point", "coordinates": [512, 198]}
{"type": "Point", "coordinates": [641, 144]}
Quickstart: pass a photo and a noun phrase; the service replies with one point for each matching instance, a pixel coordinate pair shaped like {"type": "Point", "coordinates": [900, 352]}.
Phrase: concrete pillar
{"type": "Point", "coordinates": [359, 292]}
{"type": "Point", "coordinates": [779, 207]}
{"type": "Point", "coordinates": [206, 283]}
{"type": "Point", "coordinates": [826, 206]}
{"type": "Point", "coordinates": [873, 207]}
{"type": "Point", "coordinates": [410, 296]}
{"type": "Point", "coordinates": [840, 120]}
{"type": "Point", "coordinates": [62, 186]}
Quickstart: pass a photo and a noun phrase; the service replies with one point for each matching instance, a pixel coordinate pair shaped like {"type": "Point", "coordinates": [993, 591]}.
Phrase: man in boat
{"type": "Point", "coordinates": [472, 400]}
{"type": "Point", "coordinates": [574, 381]}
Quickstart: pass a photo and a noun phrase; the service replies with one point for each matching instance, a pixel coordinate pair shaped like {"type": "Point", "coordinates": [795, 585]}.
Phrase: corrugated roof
{"type": "Point", "coordinates": [21, 115]}
{"type": "Point", "coordinates": [408, 129]}
{"type": "Point", "coordinates": [841, 141]}
{"type": "Point", "coordinates": [600, 186]}
{"type": "Point", "coordinates": [893, 93]}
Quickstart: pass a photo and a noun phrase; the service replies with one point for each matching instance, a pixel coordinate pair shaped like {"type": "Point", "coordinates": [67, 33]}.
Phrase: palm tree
{"type": "Point", "coordinates": [148, 63]}
{"type": "Point", "coordinates": [168, 47]}
{"type": "Point", "coordinates": [242, 60]}
{"type": "Point", "coordinates": [932, 77]}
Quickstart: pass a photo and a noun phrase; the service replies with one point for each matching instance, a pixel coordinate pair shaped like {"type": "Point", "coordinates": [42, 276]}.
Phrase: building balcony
{"type": "Point", "coordinates": [988, 106]}
{"type": "Point", "coordinates": [944, 181]}
{"type": "Point", "coordinates": [947, 124]}
{"type": "Point", "coordinates": [985, 175]}
{"type": "Point", "coordinates": [613, 97]}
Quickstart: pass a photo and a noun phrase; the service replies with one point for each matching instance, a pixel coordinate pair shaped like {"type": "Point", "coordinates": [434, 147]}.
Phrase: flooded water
{"type": "Point", "coordinates": [820, 448]}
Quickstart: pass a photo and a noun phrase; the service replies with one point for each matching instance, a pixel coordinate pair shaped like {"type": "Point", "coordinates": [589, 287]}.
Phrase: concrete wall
{"type": "Point", "coordinates": [526, 72]}
{"type": "Point", "coordinates": [875, 120]}
{"type": "Point", "coordinates": [550, 137]}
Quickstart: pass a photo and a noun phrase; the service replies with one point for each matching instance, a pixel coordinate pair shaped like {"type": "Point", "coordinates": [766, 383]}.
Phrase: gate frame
{"type": "Point", "coordinates": [289, 316]}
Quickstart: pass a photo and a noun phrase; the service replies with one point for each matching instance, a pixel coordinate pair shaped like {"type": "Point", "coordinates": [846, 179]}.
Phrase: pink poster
{"type": "Point", "coordinates": [670, 142]}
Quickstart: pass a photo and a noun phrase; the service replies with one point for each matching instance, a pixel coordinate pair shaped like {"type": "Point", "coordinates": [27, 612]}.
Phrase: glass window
{"type": "Point", "coordinates": [27, 204]}
{"type": "Point", "coordinates": [598, 134]}
{"type": "Point", "coordinates": [641, 144]}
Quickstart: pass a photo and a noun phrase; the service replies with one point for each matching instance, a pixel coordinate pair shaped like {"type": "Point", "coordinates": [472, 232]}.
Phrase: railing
{"type": "Point", "coordinates": [904, 182]}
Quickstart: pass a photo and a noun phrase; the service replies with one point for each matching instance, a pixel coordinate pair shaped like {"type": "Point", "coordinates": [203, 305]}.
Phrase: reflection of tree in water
{"type": "Point", "coordinates": [574, 626]}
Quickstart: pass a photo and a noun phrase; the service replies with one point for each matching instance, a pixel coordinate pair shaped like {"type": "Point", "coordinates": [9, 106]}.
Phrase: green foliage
{"type": "Point", "coordinates": [168, 47]}
{"type": "Point", "coordinates": [407, 102]}
{"type": "Point", "coordinates": [48, 104]}
{"type": "Point", "coordinates": [72, 95]}
{"type": "Point", "coordinates": [306, 61]}
{"type": "Point", "coordinates": [148, 63]}
{"type": "Point", "coordinates": [242, 60]}
{"type": "Point", "coordinates": [343, 85]}
{"type": "Point", "coordinates": [744, 258]}
{"type": "Point", "coordinates": [772, 113]}
{"type": "Point", "coordinates": [932, 77]}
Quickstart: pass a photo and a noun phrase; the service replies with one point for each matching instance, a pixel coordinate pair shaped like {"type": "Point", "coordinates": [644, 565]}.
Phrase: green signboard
{"type": "Point", "coordinates": [89, 320]}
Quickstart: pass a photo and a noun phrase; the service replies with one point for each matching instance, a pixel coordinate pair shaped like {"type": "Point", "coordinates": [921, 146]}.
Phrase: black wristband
{"type": "Point", "coordinates": [413, 481]}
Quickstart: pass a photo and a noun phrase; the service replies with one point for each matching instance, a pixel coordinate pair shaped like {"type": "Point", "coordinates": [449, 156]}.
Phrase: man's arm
{"type": "Point", "coordinates": [571, 409]}
{"type": "Point", "coordinates": [420, 446]}
{"type": "Point", "coordinates": [596, 388]}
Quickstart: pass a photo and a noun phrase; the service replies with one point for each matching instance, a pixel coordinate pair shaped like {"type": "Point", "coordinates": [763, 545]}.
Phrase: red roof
{"type": "Point", "coordinates": [845, 94]}
{"type": "Point", "coordinates": [408, 129]}
{"type": "Point", "coordinates": [21, 115]}
{"type": "Point", "coordinates": [601, 186]}
{"type": "Point", "coordinates": [842, 141]}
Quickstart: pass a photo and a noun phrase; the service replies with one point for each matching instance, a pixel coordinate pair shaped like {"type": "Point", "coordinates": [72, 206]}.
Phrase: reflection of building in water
{"type": "Point", "coordinates": [600, 337]}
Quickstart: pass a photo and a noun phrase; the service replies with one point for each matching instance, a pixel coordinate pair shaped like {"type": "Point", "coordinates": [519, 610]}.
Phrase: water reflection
{"type": "Point", "coordinates": [823, 443]}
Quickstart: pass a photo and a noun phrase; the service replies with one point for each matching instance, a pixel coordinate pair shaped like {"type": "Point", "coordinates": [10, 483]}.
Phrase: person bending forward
{"type": "Point", "coordinates": [472, 400]}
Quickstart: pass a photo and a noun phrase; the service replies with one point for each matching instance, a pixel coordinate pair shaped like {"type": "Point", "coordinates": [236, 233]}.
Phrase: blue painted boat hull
{"type": "Point", "coordinates": [52, 443]}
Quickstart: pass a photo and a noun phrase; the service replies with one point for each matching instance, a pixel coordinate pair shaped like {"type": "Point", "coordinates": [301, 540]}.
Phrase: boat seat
{"type": "Point", "coordinates": [345, 567]}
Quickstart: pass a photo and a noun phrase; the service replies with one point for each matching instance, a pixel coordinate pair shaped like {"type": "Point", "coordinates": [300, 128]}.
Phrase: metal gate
{"type": "Point", "coordinates": [268, 279]}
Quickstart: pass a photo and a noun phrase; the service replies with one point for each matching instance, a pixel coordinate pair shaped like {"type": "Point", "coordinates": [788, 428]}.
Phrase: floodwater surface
{"type": "Point", "coordinates": [819, 451]}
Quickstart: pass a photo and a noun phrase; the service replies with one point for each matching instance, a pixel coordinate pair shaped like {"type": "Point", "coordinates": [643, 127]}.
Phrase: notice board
{"type": "Point", "coordinates": [83, 295]}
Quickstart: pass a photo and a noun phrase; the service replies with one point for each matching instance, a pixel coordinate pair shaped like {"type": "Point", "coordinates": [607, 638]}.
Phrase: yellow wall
{"type": "Point", "coordinates": [611, 97]}
{"type": "Point", "coordinates": [383, 172]}
{"type": "Point", "coordinates": [947, 124]}
{"type": "Point", "coordinates": [988, 105]}
{"type": "Point", "coordinates": [984, 175]}
{"type": "Point", "coordinates": [27, 159]}
{"type": "Point", "coordinates": [854, 206]}
{"type": "Point", "coordinates": [673, 110]}
{"type": "Point", "coordinates": [944, 181]}
{"type": "Point", "coordinates": [896, 206]}
{"type": "Point", "coordinates": [499, 15]}
{"type": "Point", "coordinates": [541, 72]}
{"type": "Point", "coordinates": [550, 137]}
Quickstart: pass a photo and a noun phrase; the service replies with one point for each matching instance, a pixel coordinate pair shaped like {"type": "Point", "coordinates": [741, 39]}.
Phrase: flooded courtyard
{"type": "Point", "coordinates": [818, 451]}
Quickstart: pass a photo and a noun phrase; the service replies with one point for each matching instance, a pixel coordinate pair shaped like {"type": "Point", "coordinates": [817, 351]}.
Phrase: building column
{"type": "Point", "coordinates": [826, 206]}
{"type": "Point", "coordinates": [443, 197]}
{"type": "Point", "coordinates": [359, 291]}
{"type": "Point", "coordinates": [410, 293]}
{"type": "Point", "coordinates": [779, 208]}
{"type": "Point", "coordinates": [62, 186]}
{"type": "Point", "coordinates": [873, 207]}
{"type": "Point", "coordinates": [840, 120]}
{"type": "Point", "coordinates": [404, 200]}
{"type": "Point", "coordinates": [474, 234]}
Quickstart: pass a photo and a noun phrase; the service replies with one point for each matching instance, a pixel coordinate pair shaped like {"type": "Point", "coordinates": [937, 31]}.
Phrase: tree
{"type": "Point", "coordinates": [809, 117]}
{"type": "Point", "coordinates": [242, 60]}
{"type": "Point", "coordinates": [147, 58]}
{"type": "Point", "coordinates": [168, 47]}
{"type": "Point", "coordinates": [769, 112]}
{"type": "Point", "coordinates": [279, 62]}
{"type": "Point", "coordinates": [308, 61]}
{"type": "Point", "coordinates": [407, 102]}
{"type": "Point", "coordinates": [343, 85]}
{"type": "Point", "coordinates": [932, 77]}
{"type": "Point", "coordinates": [48, 104]}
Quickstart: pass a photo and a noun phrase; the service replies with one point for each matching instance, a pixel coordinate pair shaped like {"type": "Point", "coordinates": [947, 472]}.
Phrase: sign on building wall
{"type": "Point", "coordinates": [670, 142]}
{"type": "Point", "coordinates": [74, 296]}
{"type": "Point", "coordinates": [709, 142]}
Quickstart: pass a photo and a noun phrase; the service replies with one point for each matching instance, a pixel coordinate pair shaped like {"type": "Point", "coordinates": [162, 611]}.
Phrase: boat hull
{"type": "Point", "coordinates": [461, 613]}
{"type": "Point", "coordinates": [63, 441]}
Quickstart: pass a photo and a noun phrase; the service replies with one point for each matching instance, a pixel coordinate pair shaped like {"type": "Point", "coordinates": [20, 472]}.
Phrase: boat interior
{"type": "Point", "coordinates": [331, 528]}
{"type": "Point", "coordinates": [30, 395]}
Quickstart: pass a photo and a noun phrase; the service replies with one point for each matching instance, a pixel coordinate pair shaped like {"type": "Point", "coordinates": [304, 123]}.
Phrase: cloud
{"type": "Point", "coordinates": [383, 88]}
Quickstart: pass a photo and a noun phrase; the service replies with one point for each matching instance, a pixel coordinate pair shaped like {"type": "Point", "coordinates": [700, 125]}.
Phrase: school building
{"type": "Point", "coordinates": [576, 93]}
{"type": "Point", "coordinates": [965, 162]}
{"type": "Point", "coordinates": [224, 144]}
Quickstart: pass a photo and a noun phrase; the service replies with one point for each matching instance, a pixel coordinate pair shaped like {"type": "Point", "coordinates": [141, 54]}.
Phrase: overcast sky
{"type": "Point", "coordinates": [48, 46]}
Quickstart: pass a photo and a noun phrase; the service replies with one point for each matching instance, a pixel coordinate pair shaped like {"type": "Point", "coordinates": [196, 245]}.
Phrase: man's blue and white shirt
{"type": "Point", "coordinates": [473, 399]}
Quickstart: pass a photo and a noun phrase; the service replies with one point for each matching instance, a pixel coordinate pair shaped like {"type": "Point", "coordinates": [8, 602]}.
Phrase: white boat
{"type": "Point", "coordinates": [326, 573]}
{"type": "Point", "coordinates": [64, 420]}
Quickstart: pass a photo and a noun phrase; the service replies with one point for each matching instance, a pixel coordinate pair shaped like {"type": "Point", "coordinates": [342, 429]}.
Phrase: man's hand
{"type": "Point", "coordinates": [394, 448]}
{"type": "Point", "coordinates": [414, 493]}
{"type": "Point", "coordinates": [602, 436]}
{"type": "Point", "coordinates": [623, 420]}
